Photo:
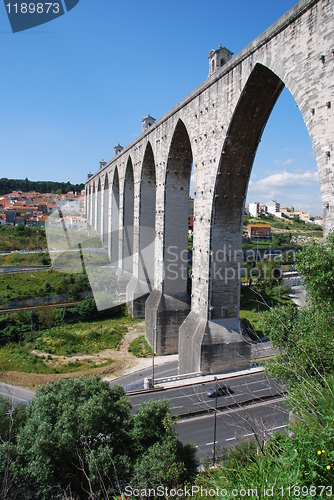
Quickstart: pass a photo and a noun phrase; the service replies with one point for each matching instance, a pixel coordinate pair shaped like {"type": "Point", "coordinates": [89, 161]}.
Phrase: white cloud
{"type": "Point", "coordinates": [300, 189]}
{"type": "Point", "coordinates": [289, 161]}
{"type": "Point", "coordinates": [290, 180]}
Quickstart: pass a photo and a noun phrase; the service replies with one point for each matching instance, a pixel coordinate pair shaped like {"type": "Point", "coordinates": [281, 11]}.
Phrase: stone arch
{"type": "Point", "coordinates": [178, 172]}
{"type": "Point", "coordinates": [105, 232]}
{"type": "Point", "coordinates": [99, 207]}
{"type": "Point", "coordinates": [147, 212]}
{"type": "Point", "coordinates": [251, 114]}
{"type": "Point", "coordinates": [128, 218]}
{"type": "Point", "coordinates": [114, 229]}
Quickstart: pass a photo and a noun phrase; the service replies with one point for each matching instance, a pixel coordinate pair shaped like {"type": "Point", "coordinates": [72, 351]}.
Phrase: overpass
{"type": "Point", "coordinates": [139, 199]}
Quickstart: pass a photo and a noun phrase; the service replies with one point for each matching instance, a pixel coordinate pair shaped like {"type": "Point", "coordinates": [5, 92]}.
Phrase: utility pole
{"type": "Point", "coordinates": [153, 347]}
{"type": "Point", "coordinates": [215, 428]}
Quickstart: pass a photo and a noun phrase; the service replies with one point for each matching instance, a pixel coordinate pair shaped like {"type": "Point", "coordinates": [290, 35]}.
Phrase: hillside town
{"type": "Point", "coordinates": [287, 211]}
{"type": "Point", "coordinates": [32, 209]}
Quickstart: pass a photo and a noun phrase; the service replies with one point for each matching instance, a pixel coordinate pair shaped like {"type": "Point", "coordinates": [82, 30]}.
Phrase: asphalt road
{"type": "Point", "coordinates": [233, 426]}
{"type": "Point", "coordinates": [133, 380]}
{"type": "Point", "coordinates": [187, 400]}
{"type": "Point", "coordinates": [16, 394]}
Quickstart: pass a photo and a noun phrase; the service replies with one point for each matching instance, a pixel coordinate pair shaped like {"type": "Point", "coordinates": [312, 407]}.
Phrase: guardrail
{"type": "Point", "coordinates": [175, 378]}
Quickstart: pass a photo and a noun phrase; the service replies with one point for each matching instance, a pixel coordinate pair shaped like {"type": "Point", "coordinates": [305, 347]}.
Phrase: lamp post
{"type": "Point", "coordinates": [154, 334]}
{"type": "Point", "coordinates": [215, 427]}
{"type": "Point", "coordinates": [11, 371]}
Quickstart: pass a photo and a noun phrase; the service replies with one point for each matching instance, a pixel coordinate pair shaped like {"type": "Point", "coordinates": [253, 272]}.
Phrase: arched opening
{"type": "Point", "coordinates": [114, 239]}
{"type": "Point", "coordinates": [99, 208]}
{"type": "Point", "coordinates": [105, 233]}
{"type": "Point", "coordinates": [128, 218]}
{"type": "Point", "coordinates": [250, 117]}
{"type": "Point", "coordinates": [147, 217]}
{"type": "Point", "coordinates": [285, 168]}
{"type": "Point", "coordinates": [93, 207]}
{"type": "Point", "coordinates": [178, 175]}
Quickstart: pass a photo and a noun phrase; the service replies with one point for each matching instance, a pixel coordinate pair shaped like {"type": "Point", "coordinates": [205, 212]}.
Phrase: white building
{"type": "Point", "coordinates": [254, 209]}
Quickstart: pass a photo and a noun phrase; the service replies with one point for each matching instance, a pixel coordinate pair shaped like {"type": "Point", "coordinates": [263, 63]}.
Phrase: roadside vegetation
{"type": "Point", "coordinates": [140, 348]}
{"type": "Point", "coordinates": [77, 439]}
{"type": "Point", "coordinates": [31, 285]}
{"type": "Point", "coordinates": [21, 237]}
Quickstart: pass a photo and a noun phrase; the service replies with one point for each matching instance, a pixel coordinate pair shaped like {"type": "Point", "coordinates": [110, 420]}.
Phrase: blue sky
{"type": "Point", "coordinates": [73, 88]}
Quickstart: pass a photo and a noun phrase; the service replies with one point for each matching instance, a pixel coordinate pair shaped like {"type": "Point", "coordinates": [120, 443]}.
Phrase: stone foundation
{"type": "Point", "coordinates": [166, 314]}
{"type": "Point", "coordinates": [137, 292]}
{"type": "Point", "coordinates": [212, 346]}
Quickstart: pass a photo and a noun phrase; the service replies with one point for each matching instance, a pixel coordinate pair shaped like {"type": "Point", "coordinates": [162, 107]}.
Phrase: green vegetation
{"type": "Point", "coordinates": [258, 299]}
{"type": "Point", "coordinates": [140, 348]}
{"type": "Point", "coordinates": [282, 231]}
{"type": "Point", "coordinates": [25, 259]}
{"type": "Point", "coordinates": [23, 286]}
{"type": "Point", "coordinates": [78, 436]}
{"type": "Point", "coordinates": [21, 238]}
{"type": "Point", "coordinates": [25, 185]}
{"type": "Point", "coordinates": [36, 340]}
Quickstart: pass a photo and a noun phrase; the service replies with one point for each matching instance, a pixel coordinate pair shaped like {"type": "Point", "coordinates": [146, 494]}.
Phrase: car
{"type": "Point", "coordinates": [222, 390]}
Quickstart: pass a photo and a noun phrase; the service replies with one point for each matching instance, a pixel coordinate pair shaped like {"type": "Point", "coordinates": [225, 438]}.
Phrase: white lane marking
{"type": "Point", "coordinates": [209, 444]}
{"type": "Point", "coordinates": [230, 439]}
{"type": "Point", "coordinates": [260, 390]}
{"type": "Point", "coordinates": [279, 427]}
{"type": "Point", "coordinates": [251, 434]}
{"type": "Point", "coordinates": [8, 395]}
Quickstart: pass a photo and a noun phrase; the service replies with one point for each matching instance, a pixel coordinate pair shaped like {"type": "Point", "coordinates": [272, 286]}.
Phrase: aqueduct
{"type": "Point", "coordinates": [140, 197]}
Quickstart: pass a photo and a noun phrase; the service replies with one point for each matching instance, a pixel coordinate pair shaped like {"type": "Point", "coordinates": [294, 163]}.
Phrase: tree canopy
{"type": "Point", "coordinates": [25, 185]}
{"type": "Point", "coordinates": [78, 435]}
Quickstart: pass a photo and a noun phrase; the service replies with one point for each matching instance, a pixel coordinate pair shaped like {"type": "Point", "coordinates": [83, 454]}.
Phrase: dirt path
{"type": "Point", "coordinates": [121, 362]}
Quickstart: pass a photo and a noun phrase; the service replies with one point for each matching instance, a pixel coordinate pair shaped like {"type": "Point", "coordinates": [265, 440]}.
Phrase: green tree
{"type": "Point", "coordinates": [316, 265]}
{"type": "Point", "coordinates": [70, 425]}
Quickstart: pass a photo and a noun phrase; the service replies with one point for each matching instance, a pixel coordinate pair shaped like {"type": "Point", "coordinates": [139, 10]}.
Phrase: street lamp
{"type": "Point", "coordinates": [11, 371]}
{"type": "Point", "coordinates": [154, 334]}
{"type": "Point", "coordinates": [215, 427]}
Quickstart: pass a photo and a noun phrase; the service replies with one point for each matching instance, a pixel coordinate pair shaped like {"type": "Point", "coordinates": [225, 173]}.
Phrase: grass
{"type": "Point", "coordinates": [140, 348]}
{"type": "Point", "coordinates": [43, 354]}
{"type": "Point", "coordinates": [25, 361]}
{"type": "Point", "coordinates": [23, 286]}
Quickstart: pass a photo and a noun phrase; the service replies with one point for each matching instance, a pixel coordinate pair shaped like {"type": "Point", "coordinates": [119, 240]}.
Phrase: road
{"type": "Point", "coordinates": [23, 269]}
{"type": "Point", "coordinates": [233, 426]}
{"type": "Point", "coordinates": [192, 399]}
{"type": "Point", "coordinates": [16, 394]}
